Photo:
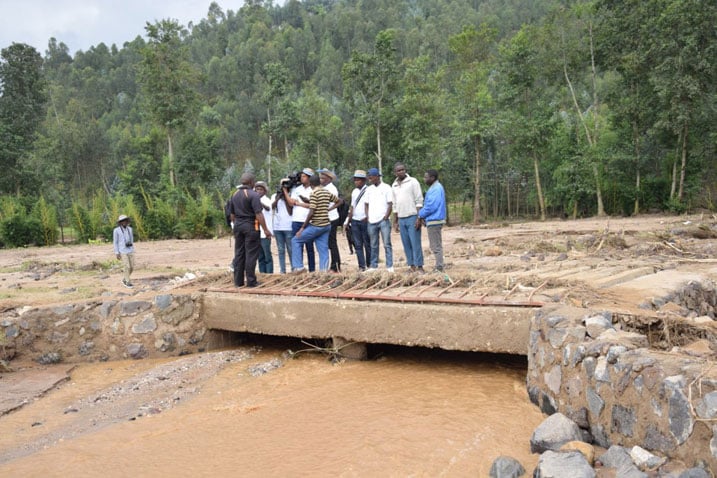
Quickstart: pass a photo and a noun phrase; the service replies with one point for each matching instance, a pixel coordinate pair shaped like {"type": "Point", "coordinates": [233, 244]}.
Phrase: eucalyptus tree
{"type": "Point", "coordinates": [472, 98]}
{"type": "Point", "coordinates": [624, 47]}
{"type": "Point", "coordinates": [571, 43]}
{"type": "Point", "coordinates": [168, 82]}
{"type": "Point", "coordinates": [22, 107]}
{"type": "Point", "coordinates": [525, 101]}
{"type": "Point", "coordinates": [318, 133]}
{"type": "Point", "coordinates": [370, 86]}
{"type": "Point", "coordinates": [684, 47]}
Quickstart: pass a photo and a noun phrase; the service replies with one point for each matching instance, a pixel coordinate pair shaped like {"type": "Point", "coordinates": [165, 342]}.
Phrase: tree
{"type": "Point", "coordinates": [22, 107]}
{"type": "Point", "coordinates": [472, 97]}
{"type": "Point", "coordinates": [370, 84]}
{"type": "Point", "coordinates": [168, 81]}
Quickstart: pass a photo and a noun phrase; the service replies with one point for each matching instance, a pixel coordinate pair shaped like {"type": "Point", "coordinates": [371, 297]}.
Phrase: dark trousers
{"type": "Point", "coordinates": [362, 243]}
{"type": "Point", "coordinates": [334, 247]}
{"type": "Point", "coordinates": [246, 252]}
{"type": "Point", "coordinates": [309, 246]}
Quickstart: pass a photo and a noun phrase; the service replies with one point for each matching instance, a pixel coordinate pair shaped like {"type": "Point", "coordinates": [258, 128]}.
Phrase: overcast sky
{"type": "Point", "coordinates": [81, 24]}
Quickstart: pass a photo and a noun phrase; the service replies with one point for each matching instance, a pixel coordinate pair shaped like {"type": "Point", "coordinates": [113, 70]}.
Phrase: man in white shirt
{"type": "Point", "coordinates": [266, 264]}
{"type": "Point", "coordinates": [357, 222]}
{"type": "Point", "coordinates": [379, 206]}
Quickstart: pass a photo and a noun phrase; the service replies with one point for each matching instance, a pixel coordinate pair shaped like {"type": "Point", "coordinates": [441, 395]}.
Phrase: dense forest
{"type": "Point", "coordinates": [527, 108]}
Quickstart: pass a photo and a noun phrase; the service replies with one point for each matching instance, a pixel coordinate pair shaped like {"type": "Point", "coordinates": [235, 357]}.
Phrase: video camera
{"type": "Point", "coordinates": [294, 179]}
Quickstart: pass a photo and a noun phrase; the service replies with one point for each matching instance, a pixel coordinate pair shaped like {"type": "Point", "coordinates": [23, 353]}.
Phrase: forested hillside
{"type": "Point", "coordinates": [528, 108]}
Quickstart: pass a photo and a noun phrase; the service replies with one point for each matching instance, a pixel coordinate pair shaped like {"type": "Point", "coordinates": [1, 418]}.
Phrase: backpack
{"type": "Point", "coordinates": [343, 210]}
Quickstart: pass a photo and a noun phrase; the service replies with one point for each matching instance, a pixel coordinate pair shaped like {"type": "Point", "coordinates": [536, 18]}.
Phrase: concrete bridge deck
{"type": "Point", "coordinates": [427, 311]}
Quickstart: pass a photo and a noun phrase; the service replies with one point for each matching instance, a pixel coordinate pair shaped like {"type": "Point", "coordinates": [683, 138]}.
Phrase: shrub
{"type": "Point", "coordinates": [20, 230]}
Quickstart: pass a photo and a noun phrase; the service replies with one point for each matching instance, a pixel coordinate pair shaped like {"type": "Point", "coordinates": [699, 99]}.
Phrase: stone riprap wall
{"type": "Point", "coordinates": [104, 330]}
{"type": "Point", "coordinates": [619, 391]}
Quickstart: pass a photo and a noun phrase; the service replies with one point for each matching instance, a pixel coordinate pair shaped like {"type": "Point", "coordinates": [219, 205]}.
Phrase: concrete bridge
{"type": "Point", "coordinates": [428, 316]}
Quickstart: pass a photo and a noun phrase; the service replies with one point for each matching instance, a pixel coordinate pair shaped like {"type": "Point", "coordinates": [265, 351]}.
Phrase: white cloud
{"type": "Point", "coordinates": [81, 24]}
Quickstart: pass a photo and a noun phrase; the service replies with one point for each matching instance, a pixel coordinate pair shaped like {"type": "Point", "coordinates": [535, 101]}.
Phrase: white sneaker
{"type": "Point", "coordinates": [389, 269]}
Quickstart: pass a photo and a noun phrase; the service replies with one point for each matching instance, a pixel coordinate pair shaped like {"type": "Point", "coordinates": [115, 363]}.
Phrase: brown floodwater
{"type": "Point", "coordinates": [408, 413]}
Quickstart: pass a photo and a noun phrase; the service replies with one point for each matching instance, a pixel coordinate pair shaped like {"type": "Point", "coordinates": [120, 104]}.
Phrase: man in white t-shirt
{"type": "Point", "coordinates": [356, 220]}
{"type": "Point", "coordinates": [379, 206]}
{"type": "Point", "coordinates": [266, 264]}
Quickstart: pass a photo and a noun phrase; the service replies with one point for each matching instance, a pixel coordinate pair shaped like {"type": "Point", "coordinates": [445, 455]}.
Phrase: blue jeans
{"type": "Point", "coordinates": [362, 244]}
{"type": "Point", "coordinates": [411, 239]}
{"type": "Point", "coordinates": [319, 235]}
{"type": "Point", "coordinates": [310, 257]}
{"type": "Point", "coordinates": [384, 228]}
{"type": "Point", "coordinates": [283, 244]}
{"type": "Point", "coordinates": [266, 263]}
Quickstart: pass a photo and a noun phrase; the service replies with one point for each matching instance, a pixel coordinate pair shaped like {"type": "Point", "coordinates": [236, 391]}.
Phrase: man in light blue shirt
{"type": "Point", "coordinates": [433, 215]}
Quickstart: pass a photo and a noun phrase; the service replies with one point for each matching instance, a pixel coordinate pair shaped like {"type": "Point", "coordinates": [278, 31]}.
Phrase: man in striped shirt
{"type": "Point", "coordinates": [316, 227]}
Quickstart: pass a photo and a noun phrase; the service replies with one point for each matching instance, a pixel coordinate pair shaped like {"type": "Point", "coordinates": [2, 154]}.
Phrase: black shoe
{"type": "Point", "coordinates": [127, 284]}
{"type": "Point", "coordinates": [253, 284]}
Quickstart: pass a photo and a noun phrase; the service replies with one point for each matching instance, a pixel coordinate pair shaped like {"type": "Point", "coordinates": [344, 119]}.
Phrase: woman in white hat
{"type": "Point", "coordinates": [123, 240]}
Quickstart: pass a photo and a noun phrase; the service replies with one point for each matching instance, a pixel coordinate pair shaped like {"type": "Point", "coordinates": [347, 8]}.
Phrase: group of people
{"type": "Point", "coordinates": [369, 219]}
{"type": "Point", "coordinates": [304, 219]}
{"type": "Point", "coordinates": [306, 215]}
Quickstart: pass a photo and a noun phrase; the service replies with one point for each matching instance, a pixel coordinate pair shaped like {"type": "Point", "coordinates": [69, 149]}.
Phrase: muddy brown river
{"type": "Point", "coordinates": [407, 412]}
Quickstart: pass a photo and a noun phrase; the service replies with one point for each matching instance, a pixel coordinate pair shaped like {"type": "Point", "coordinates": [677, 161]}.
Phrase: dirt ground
{"type": "Point", "coordinates": [507, 257]}
{"type": "Point", "coordinates": [585, 262]}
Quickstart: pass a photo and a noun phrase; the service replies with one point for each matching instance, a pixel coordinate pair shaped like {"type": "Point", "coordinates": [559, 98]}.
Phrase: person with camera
{"type": "Point", "coordinates": [247, 216]}
{"type": "Point", "coordinates": [298, 198]}
{"type": "Point", "coordinates": [282, 224]}
{"type": "Point", "coordinates": [123, 242]}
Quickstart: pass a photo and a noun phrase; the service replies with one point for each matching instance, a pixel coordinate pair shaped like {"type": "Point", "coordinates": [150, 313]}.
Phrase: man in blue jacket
{"type": "Point", "coordinates": [433, 215]}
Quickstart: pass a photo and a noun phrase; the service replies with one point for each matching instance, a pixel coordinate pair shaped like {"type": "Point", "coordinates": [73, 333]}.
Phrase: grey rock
{"type": "Point", "coordinates": [134, 307]}
{"type": "Point", "coordinates": [595, 403]}
{"type": "Point", "coordinates": [547, 404]}
{"type": "Point", "coordinates": [554, 432]}
{"type": "Point", "coordinates": [679, 415]}
{"type": "Point", "coordinates": [695, 472]}
{"type": "Point", "coordinates": [106, 308]}
{"type": "Point", "coordinates": [655, 440]}
{"type": "Point", "coordinates": [86, 347]}
{"type": "Point", "coordinates": [600, 436]}
{"type": "Point", "coordinates": [597, 324]}
{"type": "Point", "coordinates": [506, 467]}
{"type": "Point", "coordinates": [614, 353]}
{"type": "Point", "coordinates": [145, 326]}
{"type": "Point", "coordinates": [49, 358]}
{"type": "Point", "coordinates": [136, 351]}
{"type": "Point", "coordinates": [163, 301]}
{"type": "Point", "coordinates": [644, 459]}
{"type": "Point", "coordinates": [616, 457]}
{"type": "Point", "coordinates": [580, 417]}
{"type": "Point", "coordinates": [589, 365]}
{"type": "Point", "coordinates": [602, 373]}
{"type": "Point", "coordinates": [713, 442]}
{"type": "Point", "coordinates": [563, 465]}
{"type": "Point", "coordinates": [553, 379]}
{"type": "Point", "coordinates": [623, 420]}
{"type": "Point", "coordinates": [707, 407]}
{"type": "Point", "coordinates": [12, 331]}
